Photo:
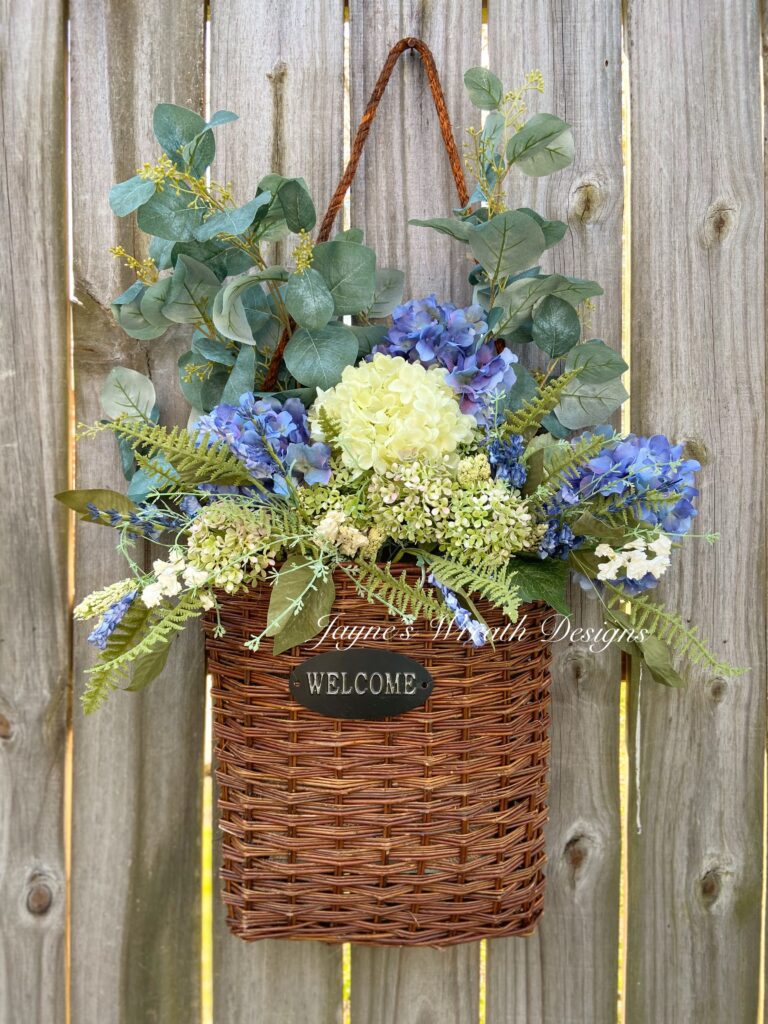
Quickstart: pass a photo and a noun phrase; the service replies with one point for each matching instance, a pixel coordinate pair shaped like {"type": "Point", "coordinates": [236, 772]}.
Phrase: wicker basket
{"type": "Point", "coordinates": [421, 829]}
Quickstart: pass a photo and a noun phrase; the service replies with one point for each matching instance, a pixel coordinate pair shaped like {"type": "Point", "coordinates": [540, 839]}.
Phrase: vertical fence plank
{"type": "Point", "coordinates": [138, 763]}
{"type": "Point", "coordinates": [34, 652]}
{"type": "Point", "coordinates": [280, 66]}
{"type": "Point", "coordinates": [405, 173]}
{"type": "Point", "coordinates": [695, 828]}
{"type": "Point", "coordinates": [568, 970]}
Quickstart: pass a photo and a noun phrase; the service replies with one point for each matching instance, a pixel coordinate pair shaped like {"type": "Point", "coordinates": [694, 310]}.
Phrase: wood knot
{"type": "Point", "coordinates": [586, 200]}
{"type": "Point", "coordinates": [39, 896]}
{"type": "Point", "coordinates": [695, 448]}
{"type": "Point", "coordinates": [6, 729]}
{"type": "Point", "coordinates": [576, 853]}
{"type": "Point", "coordinates": [278, 73]}
{"type": "Point", "coordinates": [718, 688]}
{"type": "Point", "coordinates": [710, 887]}
{"type": "Point", "coordinates": [578, 660]}
{"type": "Point", "coordinates": [719, 222]}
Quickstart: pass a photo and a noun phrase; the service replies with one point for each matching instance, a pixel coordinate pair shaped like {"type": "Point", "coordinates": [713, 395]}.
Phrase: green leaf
{"type": "Point", "coordinates": [588, 525]}
{"type": "Point", "coordinates": [222, 117]}
{"type": "Point", "coordinates": [129, 393]}
{"type": "Point", "coordinates": [553, 230]}
{"type": "Point", "coordinates": [175, 126]}
{"type": "Point", "coordinates": [242, 377]}
{"type": "Point", "coordinates": [218, 254]}
{"type": "Point", "coordinates": [576, 289]}
{"type": "Point", "coordinates": [584, 405]}
{"type": "Point", "coordinates": [317, 358]}
{"type": "Point", "coordinates": [129, 195]}
{"type": "Point", "coordinates": [102, 498]}
{"type": "Point", "coordinates": [367, 336]}
{"type": "Point", "coordinates": [457, 229]}
{"type": "Point", "coordinates": [544, 144]}
{"type": "Point", "coordinates": [308, 300]}
{"type": "Point", "coordinates": [169, 215]}
{"type": "Point", "coordinates": [598, 362]}
{"type": "Point", "coordinates": [213, 350]}
{"type": "Point", "coordinates": [551, 423]}
{"type": "Point", "coordinates": [299, 604]}
{"type": "Point", "coordinates": [556, 326]}
{"type": "Point", "coordinates": [148, 667]}
{"type": "Point", "coordinates": [506, 244]}
{"type": "Point", "coordinates": [298, 208]}
{"type": "Point", "coordinates": [388, 292]}
{"type": "Point", "coordinates": [518, 299]}
{"type": "Point", "coordinates": [658, 659]}
{"type": "Point", "coordinates": [543, 580]}
{"type": "Point", "coordinates": [161, 251]}
{"type": "Point", "coordinates": [493, 129]}
{"type": "Point", "coordinates": [484, 88]}
{"type": "Point", "coordinates": [192, 288]}
{"type": "Point", "coordinates": [349, 272]}
{"type": "Point", "coordinates": [523, 390]}
{"type": "Point", "coordinates": [231, 221]}
{"type": "Point", "coordinates": [144, 482]}
{"type": "Point", "coordinates": [126, 309]}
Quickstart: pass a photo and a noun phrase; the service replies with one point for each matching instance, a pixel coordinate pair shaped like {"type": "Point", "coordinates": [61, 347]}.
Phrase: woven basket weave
{"type": "Point", "coordinates": [421, 829]}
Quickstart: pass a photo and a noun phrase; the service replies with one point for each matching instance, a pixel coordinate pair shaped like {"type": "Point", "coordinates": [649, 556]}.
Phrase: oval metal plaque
{"type": "Point", "coordinates": [360, 683]}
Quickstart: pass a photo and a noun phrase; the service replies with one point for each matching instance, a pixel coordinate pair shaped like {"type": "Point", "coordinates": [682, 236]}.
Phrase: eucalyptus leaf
{"type": "Point", "coordinates": [194, 370]}
{"type": "Point", "coordinates": [450, 226]}
{"type": "Point", "coordinates": [241, 306]}
{"type": "Point", "coordinates": [484, 88]}
{"type": "Point", "coordinates": [576, 289]}
{"type": "Point", "coordinates": [493, 129]}
{"type": "Point", "coordinates": [213, 350]}
{"type": "Point", "coordinates": [152, 302]}
{"type": "Point", "coordinates": [388, 292]}
{"type": "Point", "coordinates": [192, 288]}
{"type": "Point", "coordinates": [231, 221]}
{"type": "Point", "coordinates": [551, 423]}
{"type": "Point", "coordinates": [553, 230]}
{"type": "Point", "coordinates": [523, 390]}
{"type": "Point", "coordinates": [556, 326]}
{"type": "Point", "coordinates": [218, 254]}
{"type": "Point", "coordinates": [597, 361]}
{"type": "Point", "coordinates": [658, 660]}
{"type": "Point", "coordinates": [584, 405]}
{"type": "Point", "coordinates": [222, 117]}
{"type": "Point", "coordinates": [308, 300]}
{"type": "Point", "coordinates": [350, 235]}
{"type": "Point", "coordinates": [544, 144]}
{"type": "Point", "coordinates": [126, 309]}
{"type": "Point", "coordinates": [129, 195]}
{"type": "Point", "coordinates": [161, 251]}
{"type": "Point", "coordinates": [298, 208]}
{"type": "Point", "coordinates": [368, 336]}
{"type": "Point", "coordinates": [348, 270]}
{"type": "Point", "coordinates": [143, 483]}
{"type": "Point", "coordinates": [242, 377]}
{"type": "Point", "coordinates": [299, 604]}
{"type": "Point", "coordinates": [518, 299]}
{"type": "Point", "coordinates": [169, 215]}
{"type": "Point", "coordinates": [127, 392]}
{"type": "Point", "coordinates": [175, 127]}
{"type": "Point", "coordinates": [506, 244]}
{"type": "Point", "coordinates": [317, 358]}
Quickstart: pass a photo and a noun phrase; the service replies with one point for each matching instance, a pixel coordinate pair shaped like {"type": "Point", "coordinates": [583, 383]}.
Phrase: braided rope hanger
{"type": "Point", "coordinates": [409, 43]}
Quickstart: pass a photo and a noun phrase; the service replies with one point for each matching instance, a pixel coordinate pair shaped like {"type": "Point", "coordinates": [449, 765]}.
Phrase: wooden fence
{"type": "Point", "coordinates": [100, 819]}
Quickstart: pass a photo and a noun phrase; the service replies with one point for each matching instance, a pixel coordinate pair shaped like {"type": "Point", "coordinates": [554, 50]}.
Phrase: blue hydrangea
{"type": "Point", "coordinates": [465, 622]}
{"type": "Point", "coordinates": [434, 334]}
{"type": "Point", "coordinates": [506, 459]}
{"type": "Point", "coordinates": [110, 620]}
{"type": "Point", "coordinates": [558, 541]}
{"type": "Point", "coordinates": [632, 466]}
{"type": "Point", "coordinates": [272, 439]}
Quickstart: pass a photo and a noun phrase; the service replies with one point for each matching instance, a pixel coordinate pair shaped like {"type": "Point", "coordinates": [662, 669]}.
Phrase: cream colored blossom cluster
{"type": "Point", "coordinates": [230, 544]}
{"type": "Point", "coordinates": [464, 512]}
{"type": "Point", "coordinates": [635, 560]}
{"type": "Point", "coordinates": [100, 600]}
{"type": "Point", "coordinates": [390, 411]}
{"type": "Point", "coordinates": [334, 530]}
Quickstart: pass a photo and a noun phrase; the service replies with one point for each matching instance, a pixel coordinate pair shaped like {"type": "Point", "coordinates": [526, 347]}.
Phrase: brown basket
{"type": "Point", "coordinates": [421, 829]}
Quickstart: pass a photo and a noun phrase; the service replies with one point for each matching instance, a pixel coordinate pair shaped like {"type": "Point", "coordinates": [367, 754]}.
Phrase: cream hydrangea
{"type": "Point", "coordinates": [391, 411]}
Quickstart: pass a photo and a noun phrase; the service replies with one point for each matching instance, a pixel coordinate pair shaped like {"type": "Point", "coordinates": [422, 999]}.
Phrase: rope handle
{"type": "Point", "coordinates": [408, 43]}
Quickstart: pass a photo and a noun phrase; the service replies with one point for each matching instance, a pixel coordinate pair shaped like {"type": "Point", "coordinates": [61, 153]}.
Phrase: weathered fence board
{"type": "Point", "coordinates": [138, 763]}
{"type": "Point", "coordinates": [568, 970]}
{"type": "Point", "coordinates": [280, 66]}
{"type": "Point", "coordinates": [695, 829]}
{"type": "Point", "coordinates": [34, 647]}
{"type": "Point", "coordinates": [405, 173]}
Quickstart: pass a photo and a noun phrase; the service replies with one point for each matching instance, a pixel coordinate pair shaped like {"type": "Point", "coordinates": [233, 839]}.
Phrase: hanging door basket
{"type": "Point", "coordinates": [426, 828]}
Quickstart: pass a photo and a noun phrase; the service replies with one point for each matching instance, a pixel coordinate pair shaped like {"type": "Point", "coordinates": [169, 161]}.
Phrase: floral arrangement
{"type": "Point", "coordinates": [337, 429]}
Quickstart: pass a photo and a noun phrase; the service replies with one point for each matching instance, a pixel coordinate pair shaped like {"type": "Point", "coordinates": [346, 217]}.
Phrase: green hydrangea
{"type": "Point", "coordinates": [231, 543]}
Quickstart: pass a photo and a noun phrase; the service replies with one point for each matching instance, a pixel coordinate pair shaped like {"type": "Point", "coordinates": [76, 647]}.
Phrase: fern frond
{"type": "Point", "coordinates": [526, 420]}
{"type": "Point", "coordinates": [645, 614]}
{"type": "Point", "coordinates": [603, 506]}
{"type": "Point", "coordinates": [141, 633]}
{"type": "Point", "coordinates": [404, 599]}
{"type": "Point", "coordinates": [193, 462]}
{"type": "Point", "coordinates": [570, 458]}
{"type": "Point", "coordinates": [329, 427]}
{"type": "Point", "coordinates": [497, 586]}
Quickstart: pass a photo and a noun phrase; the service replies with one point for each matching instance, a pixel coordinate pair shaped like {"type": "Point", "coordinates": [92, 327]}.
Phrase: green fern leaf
{"type": "Point", "coordinates": [497, 586]}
